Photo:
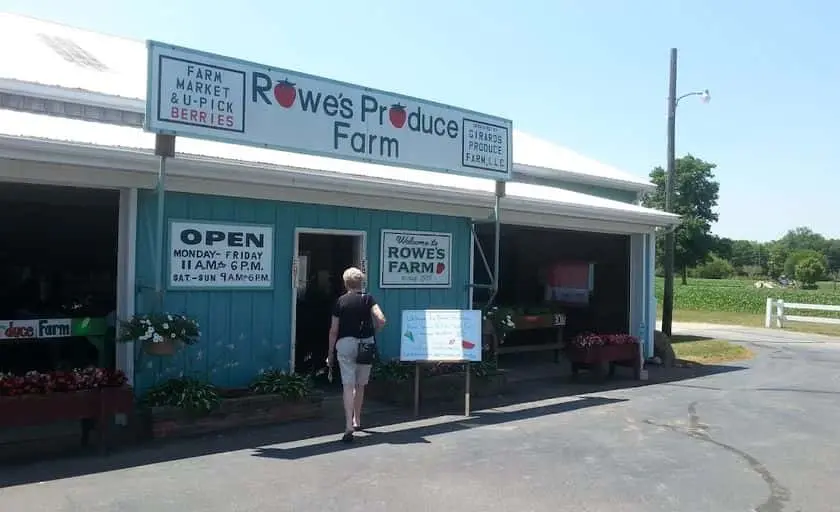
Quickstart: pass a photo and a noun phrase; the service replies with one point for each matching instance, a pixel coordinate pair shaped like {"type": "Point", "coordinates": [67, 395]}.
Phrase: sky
{"type": "Point", "coordinates": [589, 75]}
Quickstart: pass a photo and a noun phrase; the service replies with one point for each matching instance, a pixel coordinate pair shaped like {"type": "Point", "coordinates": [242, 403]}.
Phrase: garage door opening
{"type": "Point", "coordinates": [58, 275]}
{"type": "Point", "coordinates": [543, 272]}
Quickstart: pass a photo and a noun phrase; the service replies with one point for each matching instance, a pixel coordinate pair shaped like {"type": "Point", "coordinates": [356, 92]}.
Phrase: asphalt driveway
{"type": "Point", "coordinates": [762, 435]}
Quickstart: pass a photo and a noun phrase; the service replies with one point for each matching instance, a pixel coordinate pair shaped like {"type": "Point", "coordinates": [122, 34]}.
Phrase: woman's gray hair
{"type": "Point", "coordinates": [353, 278]}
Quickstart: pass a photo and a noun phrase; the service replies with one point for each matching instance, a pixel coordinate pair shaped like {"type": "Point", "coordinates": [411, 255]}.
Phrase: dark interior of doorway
{"type": "Point", "coordinates": [526, 251]}
{"type": "Point", "coordinates": [327, 257]}
{"type": "Point", "coordinates": [58, 259]}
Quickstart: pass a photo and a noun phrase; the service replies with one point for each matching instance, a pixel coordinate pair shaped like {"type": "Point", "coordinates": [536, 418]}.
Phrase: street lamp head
{"type": "Point", "coordinates": [705, 97]}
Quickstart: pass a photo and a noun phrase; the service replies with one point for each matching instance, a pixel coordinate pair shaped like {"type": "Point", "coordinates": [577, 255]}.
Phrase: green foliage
{"type": "Point", "coordinates": [185, 393]}
{"type": "Point", "coordinates": [716, 268]}
{"type": "Point", "coordinates": [810, 269]}
{"type": "Point", "coordinates": [741, 296]}
{"type": "Point", "coordinates": [290, 386]}
{"type": "Point", "coordinates": [695, 200]}
{"type": "Point", "coordinates": [796, 256]}
{"type": "Point", "coordinates": [397, 371]}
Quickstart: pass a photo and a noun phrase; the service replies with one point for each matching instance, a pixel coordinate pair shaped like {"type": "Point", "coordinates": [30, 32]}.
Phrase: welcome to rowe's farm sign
{"type": "Point", "coordinates": [202, 95]}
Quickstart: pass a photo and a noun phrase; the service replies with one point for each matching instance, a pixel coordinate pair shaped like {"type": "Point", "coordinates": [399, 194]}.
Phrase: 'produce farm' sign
{"type": "Point", "coordinates": [209, 255]}
{"type": "Point", "coordinates": [202, 95]}
{"type": "Point", "coordinates": [43, 328]}
{"type": "Point", "coordinates": [415, 259]}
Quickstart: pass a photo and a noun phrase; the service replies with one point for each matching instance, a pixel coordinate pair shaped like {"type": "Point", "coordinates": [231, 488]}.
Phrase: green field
{"type": "Point", "coordinates": [739, 302]}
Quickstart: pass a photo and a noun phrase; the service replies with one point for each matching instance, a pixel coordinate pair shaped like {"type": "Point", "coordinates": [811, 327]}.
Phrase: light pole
{"type": "Point", "coordinates": [673, 100]}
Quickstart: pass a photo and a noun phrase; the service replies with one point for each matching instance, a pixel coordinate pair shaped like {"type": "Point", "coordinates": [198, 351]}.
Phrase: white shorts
{"type": "Point", "coordinates": [352, 373]}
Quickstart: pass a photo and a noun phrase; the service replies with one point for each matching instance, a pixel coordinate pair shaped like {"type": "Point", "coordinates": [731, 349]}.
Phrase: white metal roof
{"type": "Point", "coordinates": [81, 61]}
{"type": "Point", "coordinates": [29, 126]}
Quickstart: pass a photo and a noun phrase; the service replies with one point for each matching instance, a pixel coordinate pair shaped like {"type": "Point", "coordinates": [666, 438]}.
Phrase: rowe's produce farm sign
{"type": "Point", "coordinates": [415, 259]}
{"type": "Point", "coordinates": [202, 95]}
{"type": "Point", "coordinates": [209, 255]}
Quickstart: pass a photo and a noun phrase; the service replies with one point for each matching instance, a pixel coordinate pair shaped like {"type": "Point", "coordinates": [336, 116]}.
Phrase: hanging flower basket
{"type": "Point", "coordinates": [160, 348]}
{"type": "Point", "coordinates": [161, 334]}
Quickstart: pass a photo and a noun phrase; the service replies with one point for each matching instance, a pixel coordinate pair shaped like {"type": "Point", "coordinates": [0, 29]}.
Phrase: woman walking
{"type": "Point", "coordinates": [355, 319]}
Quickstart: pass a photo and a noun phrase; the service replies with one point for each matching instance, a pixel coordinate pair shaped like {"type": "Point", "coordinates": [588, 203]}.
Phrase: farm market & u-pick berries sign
{"type": "Point", "coordinates": [202, 95]}
{"type": "Point", "coordinates": [415, 259]}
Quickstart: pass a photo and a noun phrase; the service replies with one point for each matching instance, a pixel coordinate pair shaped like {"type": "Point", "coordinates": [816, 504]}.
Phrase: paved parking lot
{"type": "Point", "coordinates": [755, 436]}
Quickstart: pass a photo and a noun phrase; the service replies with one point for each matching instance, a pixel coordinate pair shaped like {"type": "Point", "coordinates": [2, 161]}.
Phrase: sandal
{"type": "Point", "coordinates": [347, 438]}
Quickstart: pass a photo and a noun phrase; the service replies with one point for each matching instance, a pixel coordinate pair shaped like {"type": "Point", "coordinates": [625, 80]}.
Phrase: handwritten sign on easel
{"type": "Point", "coordinates": [441, 335]}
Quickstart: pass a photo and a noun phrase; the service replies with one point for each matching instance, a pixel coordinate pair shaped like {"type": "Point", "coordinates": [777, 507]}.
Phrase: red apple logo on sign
{"type": "Point", "coordinates": [440, 268]}
{"type": "Point", "coordinates": [284, 93]}
{"type": "Point", "coordinates": [467, 345]}
{"type": "Point", "coordinates": [397, 115]}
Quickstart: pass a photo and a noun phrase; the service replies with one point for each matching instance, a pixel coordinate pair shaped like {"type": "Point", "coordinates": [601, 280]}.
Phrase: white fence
{"type": "Point", "coordinates": [776, 310]}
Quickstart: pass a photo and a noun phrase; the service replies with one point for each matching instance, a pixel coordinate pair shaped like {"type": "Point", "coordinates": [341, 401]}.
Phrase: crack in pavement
{"type": "Point", "coordinates": [779, 494]}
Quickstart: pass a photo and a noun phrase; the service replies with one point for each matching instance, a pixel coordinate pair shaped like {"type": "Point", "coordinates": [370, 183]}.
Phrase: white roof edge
{"type": "Point", "coordinates": [56, 93]}
{"type": "Point", "coordinates": [145, 161]}
{"type": "Point", "coordinates": [138, 105]}
{"type": "Point", "coordinates": [586, 179]}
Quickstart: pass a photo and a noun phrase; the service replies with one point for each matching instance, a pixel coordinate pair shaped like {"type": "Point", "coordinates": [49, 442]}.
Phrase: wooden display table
{"type": "Point", "coordinates": [549, 321]}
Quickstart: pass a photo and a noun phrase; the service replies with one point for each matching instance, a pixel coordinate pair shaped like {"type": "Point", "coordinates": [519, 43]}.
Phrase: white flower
{"type": "Point", "coordinates": [157, 338]}
{"type": "Point", "coordinates": [165, 325]}
{"type": "Point", "coordinates": [169, 317]}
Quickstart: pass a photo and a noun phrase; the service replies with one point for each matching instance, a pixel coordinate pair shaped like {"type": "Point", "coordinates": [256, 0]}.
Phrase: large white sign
{"type": "Point", "coordinates": [415, 259]}
{"type": "Point", "coordinates": [197, 94]}
{"type": "Point", "coordinates": [210, 255]}
{"type": "Point", "coordinates": [441, 335]}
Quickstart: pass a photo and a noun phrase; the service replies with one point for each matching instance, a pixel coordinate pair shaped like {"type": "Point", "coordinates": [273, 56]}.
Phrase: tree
{"type": "Point", "coordinates": [832, 254]}
{"type": "Point", "coordinates": [695, 199]}
{"type": "Point", "coordinates": [803, 238]}
{"type": "Point", "coordinates": [723, 247]}
{"type": "Point", "coordinates": [715, 268]}
{"type": "Point", "coordinates": [746, 253]}
{"type": "Point", "coordinates": [809, 270]}
{"type": "Point", "coordinates": [796, 256]}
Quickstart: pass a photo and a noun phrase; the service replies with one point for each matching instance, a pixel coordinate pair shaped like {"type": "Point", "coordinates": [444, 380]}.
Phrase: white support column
{"type": "Point", "coordinates": [637, 269]}
{"type": "Point", "coordinates": [126, 275]}
{"type": "Point", "coordinates": [650, 293]}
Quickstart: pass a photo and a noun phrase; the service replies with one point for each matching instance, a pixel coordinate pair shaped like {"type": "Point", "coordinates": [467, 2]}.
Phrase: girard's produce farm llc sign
{"type": "Point", "coordinates": [208, 96]}
{"type": "Point", "coordinates": [415, 259]}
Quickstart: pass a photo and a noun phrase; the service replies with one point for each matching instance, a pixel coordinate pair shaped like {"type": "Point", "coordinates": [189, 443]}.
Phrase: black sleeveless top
{"type": "Point", "coordinates": [353, 311]}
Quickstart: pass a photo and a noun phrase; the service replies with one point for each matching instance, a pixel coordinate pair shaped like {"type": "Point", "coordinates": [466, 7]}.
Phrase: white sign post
{"type": "Point", "coordinates": [415, 259]}
{"type": "Point", "coordinates": [207, 96]}
{"type": "Point", "coordinates": [227, 256]}
{"type": "Point", "coordinates": [441, 335]}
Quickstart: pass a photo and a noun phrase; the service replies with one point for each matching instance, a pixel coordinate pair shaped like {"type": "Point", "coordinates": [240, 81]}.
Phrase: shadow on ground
{"type": "Point", "coordinates": [261, 439]}
{"type": "Point", "coordinates": [685, 338]}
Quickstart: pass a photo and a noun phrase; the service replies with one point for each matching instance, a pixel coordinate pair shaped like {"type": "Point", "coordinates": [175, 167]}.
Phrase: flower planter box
{"type": "Point", "coordinates": [233, 412]}
{"type": "Point", "coordinates": [599, 356]}
{"type": "Point", "coordinates": [439, 388]}
{"type": "Point", "coordinates": [95, 408]}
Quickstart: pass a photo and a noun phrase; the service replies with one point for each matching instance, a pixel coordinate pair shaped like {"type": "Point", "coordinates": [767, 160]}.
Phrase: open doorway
{"type": "Point", "coordinates": [322, 257]}
{"type": "Point", "coordinates": [58, 275]}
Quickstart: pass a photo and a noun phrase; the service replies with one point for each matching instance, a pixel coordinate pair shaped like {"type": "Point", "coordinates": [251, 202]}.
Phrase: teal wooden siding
{"type": "Point", "coordinates": [245, 331]}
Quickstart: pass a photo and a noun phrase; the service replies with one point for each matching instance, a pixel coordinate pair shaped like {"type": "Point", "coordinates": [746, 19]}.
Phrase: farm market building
{"type": "Point", "coordinates": [256, 239]}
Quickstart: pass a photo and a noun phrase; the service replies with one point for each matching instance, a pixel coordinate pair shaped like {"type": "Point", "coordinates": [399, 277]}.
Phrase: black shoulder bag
{"type": "Point", "coordinates": [367, 350]}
